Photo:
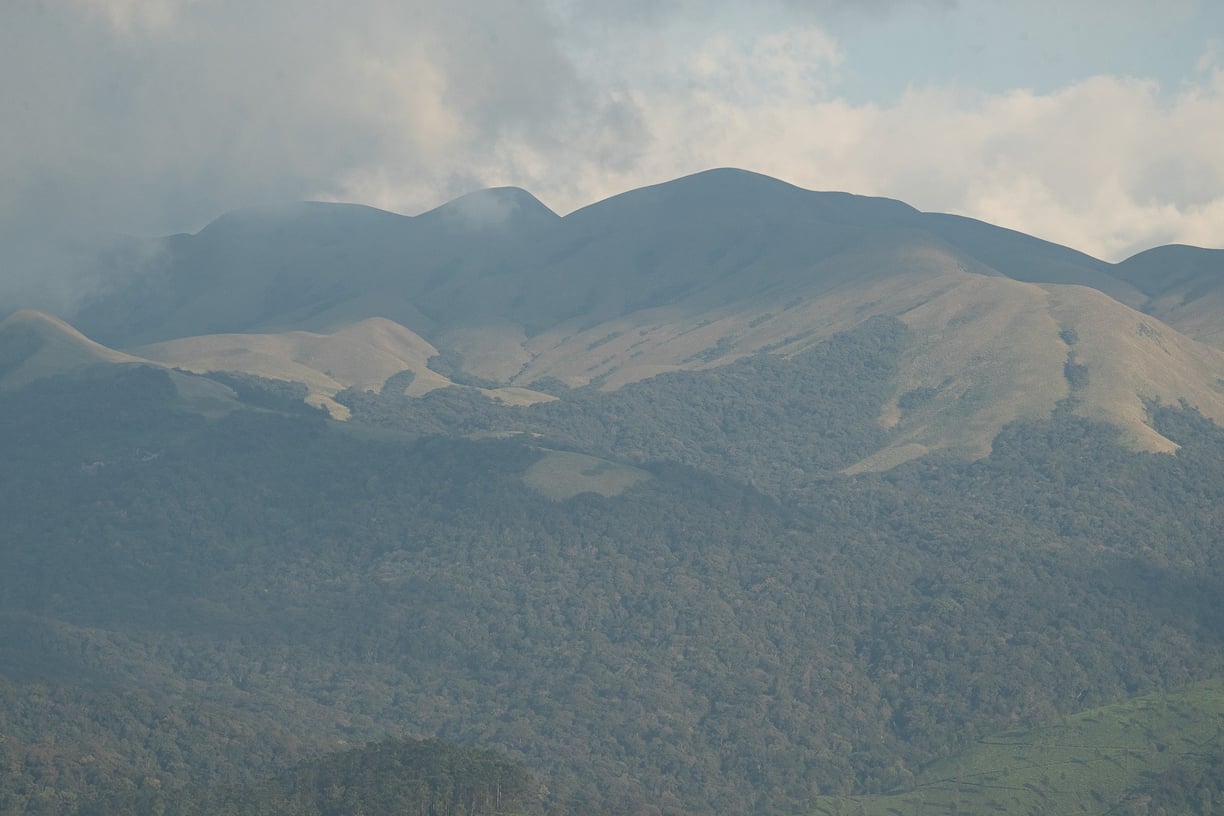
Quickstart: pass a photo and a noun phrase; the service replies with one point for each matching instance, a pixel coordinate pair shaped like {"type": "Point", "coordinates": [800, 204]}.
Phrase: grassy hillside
{"type": "Point", "coordinates": [34, 345]}
{"type": "Point", "coordinates": [364, 355]}
{"type": "Point", "coordinates": [1109, 760]}
{"type": "Point", "coordinates": [946, 378]}
{"type": "Point", "coordinates": [563, 475]}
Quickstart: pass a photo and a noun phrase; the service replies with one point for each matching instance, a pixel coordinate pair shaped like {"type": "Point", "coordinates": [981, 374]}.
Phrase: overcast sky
{"type": "Point", "coordinates": [1094, 123]}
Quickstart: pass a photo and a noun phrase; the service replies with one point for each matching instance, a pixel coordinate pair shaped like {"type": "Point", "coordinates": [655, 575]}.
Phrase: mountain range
{"type": "Point", "coordinates": [719, 496]}
{"type": "Point", "coordinates": [692, 274]}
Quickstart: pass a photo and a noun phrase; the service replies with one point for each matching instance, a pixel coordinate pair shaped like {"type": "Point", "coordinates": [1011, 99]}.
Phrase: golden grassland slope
{"type": "Point", "coordinates": [989, 349]}
{"type": "Point", "coordinates": [995, 350]}
{"type": "Point", "coordinates": [34, 345]}
{"type": "Point", "coordinates": [361, 355]}
{"type": "Point", "coordinates": [364, 355]}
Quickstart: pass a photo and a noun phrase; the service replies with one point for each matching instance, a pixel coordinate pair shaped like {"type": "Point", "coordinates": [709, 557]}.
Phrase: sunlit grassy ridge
{"type": "Point", "coordinates": [34, 345]}
{"type": "Point", "coordinates": [362, 355]}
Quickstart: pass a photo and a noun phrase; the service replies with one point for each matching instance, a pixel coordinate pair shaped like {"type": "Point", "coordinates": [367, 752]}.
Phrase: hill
{"type": "Point", "coordinates": [688, 275]}
{"type": "Point", "coordinates": [947, 378]}
{"type": "Point", "coordinates": [34, 345]}
{"type": "Point", "coordinates": [1183, 286]}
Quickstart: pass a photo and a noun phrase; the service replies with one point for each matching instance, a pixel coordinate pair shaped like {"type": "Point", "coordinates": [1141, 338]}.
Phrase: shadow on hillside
{"type": "Point", "coordinates": [1187, 599]}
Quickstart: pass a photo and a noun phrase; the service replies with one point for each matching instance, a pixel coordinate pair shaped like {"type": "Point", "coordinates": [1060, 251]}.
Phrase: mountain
{"type": "Point", "coordinates": [1183, 286]}
{"type": "Point", "coordinates": [719, 496]}
{"type": "Point", "coordinates": [314, 266]}
{"type": "Point", "coordinates": [690, 275]}
{"type": "Point", "coordinates": [704, 241]}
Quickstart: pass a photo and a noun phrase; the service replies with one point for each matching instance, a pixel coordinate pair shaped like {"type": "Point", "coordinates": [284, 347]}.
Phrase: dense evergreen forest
{"type": "Point", "coordinates": [388, 778]}
{"type": "Point", "coordinates": [212, 601]}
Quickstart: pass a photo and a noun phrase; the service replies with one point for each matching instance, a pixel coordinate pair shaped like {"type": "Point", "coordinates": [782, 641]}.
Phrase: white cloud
{"type": "Point", "coordinates": [157, 115]}
{"type": "Point", "coordinates": [133, 17]}
{"type": "Point", "coordinates": [1109, 165]}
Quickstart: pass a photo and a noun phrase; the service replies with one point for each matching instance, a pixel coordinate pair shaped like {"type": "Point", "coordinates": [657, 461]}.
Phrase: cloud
{"type": "Point", "coordinates": [152, 116]}
{"type": "Point", "coordinates": [1110, 165]}
{"type": "Point", "coordinates": [133, 17]}
{"type": "Point", "coordinates": [199, 105]}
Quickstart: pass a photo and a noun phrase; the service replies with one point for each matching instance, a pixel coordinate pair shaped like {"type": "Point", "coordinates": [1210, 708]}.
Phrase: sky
{"type": "Point", "coordinates": [1096, 123]}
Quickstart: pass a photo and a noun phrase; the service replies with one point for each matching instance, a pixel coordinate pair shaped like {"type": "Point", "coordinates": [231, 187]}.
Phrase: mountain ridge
{"type": "Point", "coordinates": [692, 274]}
{"type": "Point", "coordinates": [35, 344]}
{"type": "Point", "coordinates": [402, 258]}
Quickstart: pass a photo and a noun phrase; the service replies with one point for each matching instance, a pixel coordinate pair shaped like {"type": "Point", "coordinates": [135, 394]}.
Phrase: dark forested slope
{"type": "Point", "coordinates": [193, 600]}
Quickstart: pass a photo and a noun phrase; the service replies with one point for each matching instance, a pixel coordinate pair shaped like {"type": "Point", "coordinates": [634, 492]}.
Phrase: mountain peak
{"type": "Point", "coordinates": [493, 208]}
{"type": "Point", "coordinates": [1160, 269]}
{"type": "Point", "coordinates": [734, 189]}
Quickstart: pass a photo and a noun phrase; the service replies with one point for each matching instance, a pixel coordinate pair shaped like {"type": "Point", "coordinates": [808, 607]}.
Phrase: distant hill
{"type": "Point", "coordinates": [36, 346]}
{"type": "Point", "coordinates": [1184, 287]}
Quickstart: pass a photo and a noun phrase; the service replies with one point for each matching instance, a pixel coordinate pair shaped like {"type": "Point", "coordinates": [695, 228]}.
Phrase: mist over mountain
{"type": "Point", "coordinates": [725, 235]}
